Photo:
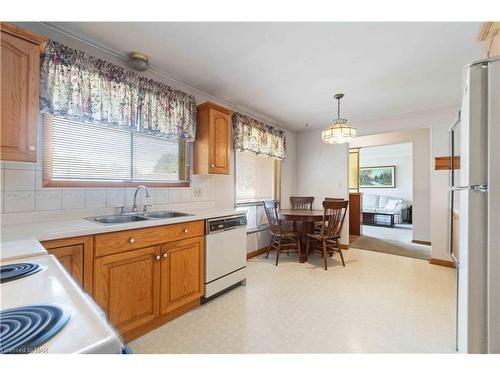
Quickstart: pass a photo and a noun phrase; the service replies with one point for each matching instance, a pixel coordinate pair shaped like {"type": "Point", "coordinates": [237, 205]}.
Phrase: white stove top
{"type": "Point", "coordinates": [86, 331]}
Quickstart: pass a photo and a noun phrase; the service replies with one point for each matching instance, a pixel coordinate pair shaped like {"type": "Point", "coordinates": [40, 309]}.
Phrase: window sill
{"type": "Point", "coordinates": [249, 204]}
{"type": "Point", "coordinates": [260, 228]}
{"type": "Point", "coordinates": [113, 184]}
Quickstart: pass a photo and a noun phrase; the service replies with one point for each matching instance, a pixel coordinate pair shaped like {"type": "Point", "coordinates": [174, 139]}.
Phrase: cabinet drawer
{"type": "Point", "coordinates": [117, 242]}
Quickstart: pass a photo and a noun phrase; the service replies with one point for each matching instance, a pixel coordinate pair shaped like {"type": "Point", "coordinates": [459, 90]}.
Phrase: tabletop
{"type": "Point", "coordinates": [302, 215]}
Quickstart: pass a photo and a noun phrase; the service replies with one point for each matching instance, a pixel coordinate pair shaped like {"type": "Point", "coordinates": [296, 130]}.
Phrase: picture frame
{"type": "Point", "coordinates": [377, 176]}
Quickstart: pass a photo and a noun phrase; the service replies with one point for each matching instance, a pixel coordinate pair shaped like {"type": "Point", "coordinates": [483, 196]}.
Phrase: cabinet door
{"type": "Point", "coordinates": [20, 72]}
{"type": "Point", "coordinates": [75, 255]}
{"type": "Point", "coordinates": [219, 133]}
{"type": "Point", "coordinates": [126, 286]}
{"type": "Point", "coordinates": [182, 273]}
{"type": "Point", "coordinates": [71, 258]}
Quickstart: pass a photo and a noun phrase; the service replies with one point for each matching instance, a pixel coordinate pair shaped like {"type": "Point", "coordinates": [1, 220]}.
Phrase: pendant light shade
{"type": "Point", "coordinates": [338, 131]}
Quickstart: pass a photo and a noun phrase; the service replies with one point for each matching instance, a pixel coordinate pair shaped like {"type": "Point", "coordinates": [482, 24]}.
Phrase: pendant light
{"type": "Point", "coordinates": [338, 131]}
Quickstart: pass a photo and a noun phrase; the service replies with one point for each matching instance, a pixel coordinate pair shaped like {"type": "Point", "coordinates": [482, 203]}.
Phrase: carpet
{"type": "Point", "coordinates": [392, 247]}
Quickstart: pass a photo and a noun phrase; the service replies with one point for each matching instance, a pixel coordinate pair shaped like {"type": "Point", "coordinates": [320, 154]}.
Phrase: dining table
{"type": "Point", "coordinates": [305, 220]}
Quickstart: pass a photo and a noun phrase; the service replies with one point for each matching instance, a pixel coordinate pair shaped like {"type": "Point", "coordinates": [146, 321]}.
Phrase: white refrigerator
{"type": "Point", "coordinates": [475, 209]}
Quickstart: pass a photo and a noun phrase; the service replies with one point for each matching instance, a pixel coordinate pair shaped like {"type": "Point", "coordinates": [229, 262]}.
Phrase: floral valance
{"type": "Point", "coordinates": [258, 137]}
{"type": "Point", "coordinates": [80, 87]}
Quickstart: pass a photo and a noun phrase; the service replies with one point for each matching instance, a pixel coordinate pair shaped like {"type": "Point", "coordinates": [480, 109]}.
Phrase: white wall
{"type": "Point", "coordinates": [420, 140]}
{"type": "Point", "coordinates": [400, 156]}
{"type": "Point", "coordinates": [322, 171]}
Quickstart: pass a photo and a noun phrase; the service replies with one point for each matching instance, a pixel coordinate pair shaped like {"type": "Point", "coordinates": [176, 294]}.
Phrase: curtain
{"type": "Point", "coordinates": [80, 87]}
{"type": "Point", "coordinates": [255, 136]}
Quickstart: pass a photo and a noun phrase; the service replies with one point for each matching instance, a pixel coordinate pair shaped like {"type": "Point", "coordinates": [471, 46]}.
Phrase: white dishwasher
{"type": "Point", "coordinates": [225, 254]}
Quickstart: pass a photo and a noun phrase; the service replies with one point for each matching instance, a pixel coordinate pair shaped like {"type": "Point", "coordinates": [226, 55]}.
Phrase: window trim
{"type": "Point", "coordinates": [354, 150]}
{"type": "Point", "coordinates": [49, 182]}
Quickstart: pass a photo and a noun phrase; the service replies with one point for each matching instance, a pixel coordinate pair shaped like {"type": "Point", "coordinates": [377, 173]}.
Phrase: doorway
{"type": "Point", "coordinates": [383, 175]}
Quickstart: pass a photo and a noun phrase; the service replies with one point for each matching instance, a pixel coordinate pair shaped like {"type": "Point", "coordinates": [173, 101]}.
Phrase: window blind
{"type": "Point", "coordinates": [155, 159]}
{"type": "Point", "coordinates": [82, 152]}
{"type": "Point", "coordinates": [89, 152]}
{"type": "Point", "coordinates": [254, 177]}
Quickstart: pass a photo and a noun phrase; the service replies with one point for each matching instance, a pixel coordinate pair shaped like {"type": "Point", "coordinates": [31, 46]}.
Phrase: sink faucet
{"type": "Point", "coordinates": [134, 207]}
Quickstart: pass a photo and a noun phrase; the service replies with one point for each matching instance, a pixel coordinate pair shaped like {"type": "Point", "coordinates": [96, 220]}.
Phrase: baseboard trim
{"type": "Point", "coordinates": [255, 253]}
{"type": "Point", "coordinates": [442, 262]}
{"type": "Point", "coordinates": [344, 246]}
{"type": "Point", "coordinates": [420, 242]}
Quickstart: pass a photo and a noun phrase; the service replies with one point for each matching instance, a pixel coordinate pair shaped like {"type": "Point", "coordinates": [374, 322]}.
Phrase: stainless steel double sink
{"type": "Point", "coordinates": [135, 216]}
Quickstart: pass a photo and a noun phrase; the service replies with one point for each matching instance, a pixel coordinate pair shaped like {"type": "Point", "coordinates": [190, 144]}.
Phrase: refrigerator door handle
{"type": "Point", "coordinates": [483, 188]}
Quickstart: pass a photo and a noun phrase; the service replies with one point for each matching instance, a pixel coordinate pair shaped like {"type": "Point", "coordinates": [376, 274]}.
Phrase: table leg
{"type": "Point", "coordinates": [305, 228]}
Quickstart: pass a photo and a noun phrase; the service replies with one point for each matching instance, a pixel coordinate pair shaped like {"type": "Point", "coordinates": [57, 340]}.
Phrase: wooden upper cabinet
{"type": "Point", "coordinates": [490, 35]}
{"type": "Point", "coordinates": [127, 285]}
{"type": "Point", "coordinates": [212, 149]}
{"type": "Point", "coordinates": [182, 273]}
{"type": "Point", "coordinates": [20, 83]}
{"type": "Point", "coordinates": [75, 254]}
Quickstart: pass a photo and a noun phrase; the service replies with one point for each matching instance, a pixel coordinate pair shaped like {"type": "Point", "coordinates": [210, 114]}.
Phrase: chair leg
{"type": "Point", "coordinates": [278, 250]}
{"type": "Point", "coordinates": [300, 250]}
{"type": "Point", "coordinates": [270, 247]}
{"type": "Point", "coordinates": [325, 259]}
{"type": "Point", "coordinates": [341, 257]}
{"type": "Point", "coordinates": [307, 247]}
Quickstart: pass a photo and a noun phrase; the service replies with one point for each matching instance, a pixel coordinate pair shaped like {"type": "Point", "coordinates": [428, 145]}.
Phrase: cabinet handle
{"type": "Point", "coordinates": [213, 166]}
{"type": "Point", "coordinates": [131, 240]}
{"type": "Point", "coordinates": [31, 148]}
{"type": "Point", "coordinates": [185, 230]}
{"type": "Point", "coordinates": [158, 257]}
{"type": "Point", "coordinates": [165, 255]}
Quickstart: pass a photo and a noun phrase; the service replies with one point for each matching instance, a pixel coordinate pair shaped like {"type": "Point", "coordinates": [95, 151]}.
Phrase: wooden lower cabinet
{"type": "Point", "coordinates": [182, 273]}
{"type": "Point", "coordinates": [142, 289]}
{"type": "Point", "coordinates": [75, 254]}
{"type": "Point", "coordinates": [127, 286]}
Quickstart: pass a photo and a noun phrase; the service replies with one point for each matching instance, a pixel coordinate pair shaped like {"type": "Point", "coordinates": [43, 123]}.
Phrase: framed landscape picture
{"type": "Point", "coordinates": [377, 177]}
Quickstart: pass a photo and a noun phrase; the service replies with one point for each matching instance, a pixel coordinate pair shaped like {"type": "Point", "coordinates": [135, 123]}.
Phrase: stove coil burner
{"type": "Point", "coordinates": [10, 272]}
{"type": "Point", "coordinates": [24, 329]}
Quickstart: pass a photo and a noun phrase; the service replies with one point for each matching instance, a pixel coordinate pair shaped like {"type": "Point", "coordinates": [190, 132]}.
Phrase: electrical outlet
{"type": "Point", "coordinates": [197, 192]}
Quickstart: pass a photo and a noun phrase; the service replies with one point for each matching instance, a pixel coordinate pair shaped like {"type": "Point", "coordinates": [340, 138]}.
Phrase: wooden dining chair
{"type": "Point", "coordinates": [317, 226]}
{"type": "Point", "coordinates": [302, 203]}
{"type": "Point", "coordinates": [327, 241]}
{"type": "Point", "coordinates": [281, 239]}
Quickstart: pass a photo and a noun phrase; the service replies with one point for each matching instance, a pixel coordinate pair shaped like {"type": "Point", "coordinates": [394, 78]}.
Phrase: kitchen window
{"type": "Point", "coordinates": [80, 154]}
{"type": "Point", "coordinates": [257, 179]}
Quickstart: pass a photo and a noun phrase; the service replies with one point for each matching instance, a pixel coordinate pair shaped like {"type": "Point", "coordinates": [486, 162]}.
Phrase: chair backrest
{"type": "Point", "coordinates": [333, 217]}
{"type": "Point", "coordinates": [302, 203]}
{"type": "Point", "coordinates": [334, 199]}
{"type": "Point", "coordinates": [271, 208]}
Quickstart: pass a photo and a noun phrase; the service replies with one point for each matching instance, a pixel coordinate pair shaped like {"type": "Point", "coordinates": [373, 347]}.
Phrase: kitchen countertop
{"type": "Point", "coordinates": [23, 239]}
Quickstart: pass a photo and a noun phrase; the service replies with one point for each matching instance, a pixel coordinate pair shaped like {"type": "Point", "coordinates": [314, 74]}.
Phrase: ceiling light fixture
{"type": "Point", "coordinates": [338, 131]}
{"type": "Point", "coordinates": [138, 61]}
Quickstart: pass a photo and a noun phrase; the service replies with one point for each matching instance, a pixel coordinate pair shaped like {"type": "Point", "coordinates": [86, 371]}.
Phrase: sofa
{"type": "Point", "coordinates": [387, 205]}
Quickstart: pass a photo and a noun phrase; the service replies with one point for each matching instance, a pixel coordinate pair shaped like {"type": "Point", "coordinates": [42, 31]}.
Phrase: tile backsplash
{"type": "Point", "coordinates": [22, 191]}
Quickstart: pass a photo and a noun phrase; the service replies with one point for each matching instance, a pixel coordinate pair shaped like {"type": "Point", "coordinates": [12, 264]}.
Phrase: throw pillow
{"type": "Point", "coordinates": [392, 204]}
